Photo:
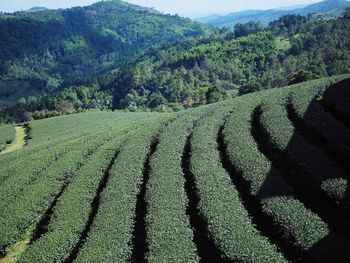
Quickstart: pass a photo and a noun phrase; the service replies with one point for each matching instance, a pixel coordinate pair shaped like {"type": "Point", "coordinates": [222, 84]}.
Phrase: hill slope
{"type": "Point", "coordinates": [327, 9]}
{"type": "Point", "coordinates": [202, 70]}
{"type": "Point", "coordinates": [196, 71]}
{"type": "Point", "coordinates": [252, 177]}
{"type": "Point", "coordinates": [46, 50]}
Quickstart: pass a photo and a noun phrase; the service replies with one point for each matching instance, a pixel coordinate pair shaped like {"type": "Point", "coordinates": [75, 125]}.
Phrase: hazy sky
{"type": "Point", "coordinates": [182, 7]}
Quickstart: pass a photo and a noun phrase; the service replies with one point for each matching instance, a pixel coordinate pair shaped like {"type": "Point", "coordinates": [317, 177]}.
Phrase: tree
{"type": "Point", "coordinates": [156, 99]}
{"type": "Point", "coordinates": [251, 27]}
{"type": "Point", "coordinates": [287, 24]}
{"type": "Point", "coordinates": [215, 94]}
{"type": "Point", "coordinates": [301, 76]}
{"type": "Point", "coordinates": [250, 87]}
{"type": "Point", "coordinates": [22, 102]}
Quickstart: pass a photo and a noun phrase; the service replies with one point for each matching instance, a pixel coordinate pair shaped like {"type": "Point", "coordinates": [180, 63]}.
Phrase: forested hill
{"type": "Point", "coordinates": [196, 71]}
{"type": "Point", "coordinates": [203, 70]}
{"type": "Point", "coordinates": [41, 51]}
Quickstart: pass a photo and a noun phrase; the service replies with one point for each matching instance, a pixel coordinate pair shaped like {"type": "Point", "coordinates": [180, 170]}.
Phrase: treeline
{"type": "Point", "coordinates": [68, 101]}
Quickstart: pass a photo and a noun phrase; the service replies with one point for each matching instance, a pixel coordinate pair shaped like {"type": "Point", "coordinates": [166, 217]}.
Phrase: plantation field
{"type": "Point", "coordinates": [7, 135]}
{"type": "Point", "coordinates": [18, 142]}
{"type": "Point", "coordinates": [259, 178]}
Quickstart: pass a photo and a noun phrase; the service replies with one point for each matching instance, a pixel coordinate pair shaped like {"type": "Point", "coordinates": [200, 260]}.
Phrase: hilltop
{"type": "Point", "coordinates": [47, 50]}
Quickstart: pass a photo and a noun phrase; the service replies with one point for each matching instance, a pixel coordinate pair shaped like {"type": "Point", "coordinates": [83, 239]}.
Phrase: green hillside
{"type": "Point", "coordinates": [164, 63]}
{"type": "Point", "coordinates": [50, 49]}
{"type": "Point", "coordinates": [262, 177]}
{"type": "Point", "coordinates": [195, 71]}
{"type": "Point", "coordinates": [198, 71]}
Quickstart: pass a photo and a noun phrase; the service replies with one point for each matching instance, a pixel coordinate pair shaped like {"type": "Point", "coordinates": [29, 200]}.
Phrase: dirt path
{"type": "Point", "coordinates": [16, 251]}
{"type": "Point", "coordinates": [18, 142]}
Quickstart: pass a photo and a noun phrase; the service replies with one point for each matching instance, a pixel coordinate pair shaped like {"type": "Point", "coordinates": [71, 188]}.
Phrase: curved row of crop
{"type": "Point", "coordinates": [320, 127]}
{"type": "Point", "coordinates": [206, 249]}
{"type": "Point", "coordinates": [31, 199]}
{"type": "Point", "coordinates": [27, 162]}
{"type": "Point", "coordinates": [169, 235]}
{"type": "Point", "coordinates": [289, 142]}
{"type": "Point", "coordinates": [305, 166]}
{"type": "Point", "coordinates": [26, 210]}
{"type": "Point", "coordinates": [31, 170]}
{"type": "Point", "coordinates": [302, 229]}
{"type": "Point", "coordinates": [110, 239]}
{"type": "Point", "coordinates": [33, 160]}
{"type": "Point", "coordinates": [336, 101]}
{"type": "Point", "coordinates": [63, 128]}
{"type": "Point", "coordinates": [75, 210]}
{"type": "Point", "coordinates": [228, 222]}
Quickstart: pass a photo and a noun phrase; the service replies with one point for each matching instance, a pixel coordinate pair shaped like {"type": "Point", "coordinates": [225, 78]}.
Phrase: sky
{"type": "Point", "coordinates": [191, 8]}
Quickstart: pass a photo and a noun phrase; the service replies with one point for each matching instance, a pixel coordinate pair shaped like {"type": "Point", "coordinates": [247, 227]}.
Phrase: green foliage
{"type": "Point", "coordinates": [7, 135]}
{"type": "Point", "coordinates": [120, 195]}
{"type": "Point", "coordinates": [228, 222]}
{"type": "Point", "coordinates": [73, 208]}
{"type": "Point", "coordinates": [250, 87]}
{"type": "Point", "coordinates": [290, 50]}
{"type": "Point", "coordinates": [38, 196]}
{"type": "Point", "coordinates": [60, 48]}
{"type": "Point", "coordinates": [302, 76]}
{"type": "Point", "coordinates": [59, 148]}
{"type": "Point", "coordinates": [267, 184]}
{"type": "Point", "coordinates": [243, 30]}
{"type": "Point", "coordinates": [287, 25]}
{"type": "Point", "coordinates": [336, 98]}
{"type": "Point", "coordinates": [182, 71]}
{"type": "Point", "coordinates": [68, 101]}
{"type": "Point", "coordinates": [58, 174]}
{"type": "Point", "coordinates": [169, 235]}
{"type": "Point", "coordinates": [316, 120]}
{"type": "Point", "coordinates": [186, 71]}
{"type": "Point", "coordinates": [311, 161]}
{"type": "Point", "coordinates": [215, 94]}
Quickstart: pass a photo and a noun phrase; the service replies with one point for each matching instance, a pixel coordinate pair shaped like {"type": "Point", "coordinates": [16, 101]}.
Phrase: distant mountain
{"type": "Point", "coordinates": [292, 7]}
{"type": "Point", "coordinates": [52, 49]}
{"type": "Point", "coordinates": [37, 9]}
{"type": "Point", "coordinates": [328, 8]}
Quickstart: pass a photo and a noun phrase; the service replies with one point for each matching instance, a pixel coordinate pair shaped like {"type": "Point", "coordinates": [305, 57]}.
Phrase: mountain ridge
{"type": "Point", "coordinates": [328, 8]}
{"type": "Point", "coordinates": [47, 50]}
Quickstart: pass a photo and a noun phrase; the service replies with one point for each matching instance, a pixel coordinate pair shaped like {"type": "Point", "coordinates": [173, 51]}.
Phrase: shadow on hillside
{"type": "Point", "coordinates": [306, 159]}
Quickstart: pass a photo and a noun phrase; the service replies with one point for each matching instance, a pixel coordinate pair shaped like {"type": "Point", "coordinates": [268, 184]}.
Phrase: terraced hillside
{"type": "Point", "coordinates": [259, 178]}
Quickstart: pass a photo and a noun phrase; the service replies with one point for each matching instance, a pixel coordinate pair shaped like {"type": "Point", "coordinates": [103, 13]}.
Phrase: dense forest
{"type": "Point", "coordinates": [291, 49]}
{"type": "Point", "coordinates": [173, 75]}
{"type": "Point", "coordinates": [51, 49]}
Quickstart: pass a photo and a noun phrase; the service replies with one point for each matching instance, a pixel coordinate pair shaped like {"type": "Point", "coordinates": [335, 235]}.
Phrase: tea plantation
{"type": "Point", "coordinates": [259, 178]}
{"type": "Point", "coordinates": [7, 135]}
